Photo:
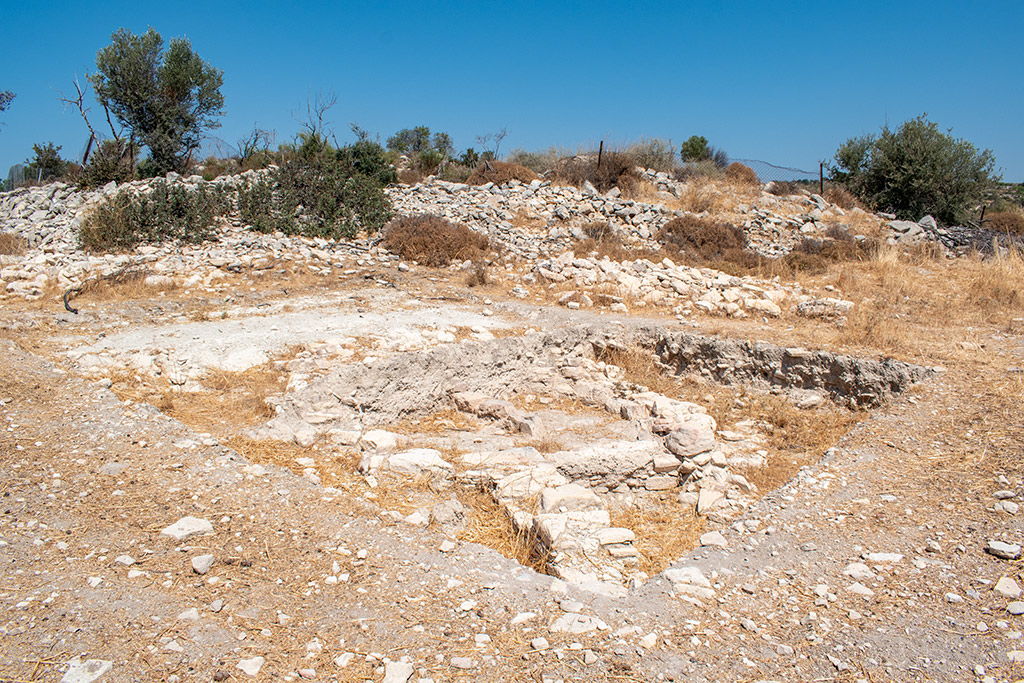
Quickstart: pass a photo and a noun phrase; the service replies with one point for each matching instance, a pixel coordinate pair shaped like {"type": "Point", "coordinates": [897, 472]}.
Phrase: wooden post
{"type": "Point", "coordinates": [600, 152]}
{"type": "Point", "coordinates": [821, 178]}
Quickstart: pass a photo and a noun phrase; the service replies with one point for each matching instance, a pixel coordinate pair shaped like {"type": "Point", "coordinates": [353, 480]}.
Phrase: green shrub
{"type": "Point", "coordinates": [316, 197]}
{"type": "Point", "coordinates": [166, 213]}
{"type": "Point", "coordinates": [916, 170]}
{"type": "Point", "coordinates": [112, 160]}
{"type": "Point", "coordinates": [367, 158]}
{"type": "Point", "coordinates": [696, 149]}
{"type": "Point", "coordinates": [434, 241]}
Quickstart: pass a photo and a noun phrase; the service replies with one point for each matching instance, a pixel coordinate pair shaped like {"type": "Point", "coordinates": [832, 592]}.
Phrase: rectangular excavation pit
{"type": "Point", "coordinates": [566, 442]}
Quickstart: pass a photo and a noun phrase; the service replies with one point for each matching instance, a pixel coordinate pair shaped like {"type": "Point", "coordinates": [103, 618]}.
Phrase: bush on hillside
{"type": "Point", "coordinates": [708, 243]}
{"type": "Point", "coordinates": [316, 196]}
{"type": "Point", "coordinates": [434, 241]}
{"type": "Point", "coordinates": [112, 160]}
{"type": "Point", "coordinates": [783, 188]}
{"type": "Point", "coordinates": [653, 153]}
{"type": "Point", "coordinates": [739, 173]}
{"type": "Point", "coordinates": [168, 212]}
{"type": "Point", "coordinates": [367, 158]}
{"type": "Point", "coordinates": [1005, 221]}
{"type": "Point", "coordinates": [499, 173]}
{"type": "Point", "coordinates": [616, 169]}
{"type": "Point", "coordinates": [916, 170]}
{"type": "Point", "coordinates": [47, 163]}
{"type": "Point", "coordinates": [455, 173]}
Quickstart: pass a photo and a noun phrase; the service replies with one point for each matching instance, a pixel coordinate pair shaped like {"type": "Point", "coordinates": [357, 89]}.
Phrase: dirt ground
{"type": "Point", "coordinates": [868, 564]}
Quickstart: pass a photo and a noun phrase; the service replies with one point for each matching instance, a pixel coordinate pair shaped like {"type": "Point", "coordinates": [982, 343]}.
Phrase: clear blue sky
{"type": "Point", "coordinates": [785, 82]}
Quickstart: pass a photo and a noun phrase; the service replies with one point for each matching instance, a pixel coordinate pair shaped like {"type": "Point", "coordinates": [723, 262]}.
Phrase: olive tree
{"type": "Point", "coordinates": [916, 170]}
{"type": "Point", "coordinates": [164, 98]}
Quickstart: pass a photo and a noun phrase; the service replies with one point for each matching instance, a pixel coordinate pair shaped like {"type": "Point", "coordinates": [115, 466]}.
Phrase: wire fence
{"type": "Point", "coordinates": [768, 172]}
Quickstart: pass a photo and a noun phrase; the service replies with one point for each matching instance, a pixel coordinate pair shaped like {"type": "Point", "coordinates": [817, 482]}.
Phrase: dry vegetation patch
{"type": "Point", "coordinates": [434, 241]}
{"type": "Point", "coordinates": [616, 169]}
{"type": "Point", "coordinates": [664, 530]}
{"type": "Point", "coordinates": [490, 524]}
{"type": "Point", "coordinates": [12, 245]}
{"type": "Point", "coordinates": [499, 173]}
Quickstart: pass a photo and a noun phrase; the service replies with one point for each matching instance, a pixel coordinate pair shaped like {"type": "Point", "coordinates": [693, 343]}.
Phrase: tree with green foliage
{"type": "Point", "coordinates": [426, 151]}
{"type": "Point", "coordinates": [696, 150]}
{"type": "Point", "coordinates": [165, 98]}
{"type": "Point", "coordinates": [916, 170]}
{"type": "Point", "coordinates": [47, 163]}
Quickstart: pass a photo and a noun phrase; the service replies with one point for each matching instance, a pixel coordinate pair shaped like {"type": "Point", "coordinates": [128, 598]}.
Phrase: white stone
{"type": "Point", "coordinates": [187, 527]}
{"type": "Point", "coordinates": [251, 666]}
{"type": "Point", "coordinates": [398, 672]}
{"type": "Point", "coordinates": [202, 563]}
{"type": "Point", "coordinates": [86, 672]}
{"type": "Point", "coordinates": [1007, 587]}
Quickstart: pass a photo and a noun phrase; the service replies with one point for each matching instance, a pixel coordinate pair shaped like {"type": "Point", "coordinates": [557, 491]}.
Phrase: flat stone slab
{"type": "Point", "coordinates": [187, 527]}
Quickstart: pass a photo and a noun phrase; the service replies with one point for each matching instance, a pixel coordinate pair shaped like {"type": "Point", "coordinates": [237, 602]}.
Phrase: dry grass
{"type": "Point", "coordinates": [437, 423]}
{"type": "Point", "coordinates": [434, 241]}
{"type": "Point", "coordinates": [906, 299]}
{"type": "Point", "coordinates": [841, 197]}
{"type": "Point", "coordinates": [640, 367]}
{"type": "Point", "coordinates": [499, 173]}
{"type": "Point", "coordinates": [12, 245]}
{"type": "Point", "coordinates": [491, 525]}
{"type": "Point", "coordinates": [700, 195]}
{"type": "Point", "coordinates": [664, 531]}
{"type": "Point", "coordinates": [1010, 220]}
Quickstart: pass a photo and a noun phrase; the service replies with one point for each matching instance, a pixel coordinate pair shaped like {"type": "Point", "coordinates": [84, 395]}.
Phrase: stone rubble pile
{"type": "Point", "coordinates": [664, 284]}
{"type": "Point", "coordinates": [530, 220]}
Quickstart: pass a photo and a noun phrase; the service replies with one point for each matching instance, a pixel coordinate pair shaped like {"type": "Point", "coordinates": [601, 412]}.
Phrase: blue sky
{"type": "Point", "coordinates": [786, 82]}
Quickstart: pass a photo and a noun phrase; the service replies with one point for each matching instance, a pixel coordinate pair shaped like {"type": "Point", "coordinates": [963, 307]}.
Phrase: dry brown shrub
{"type": "Point", "coordinates": [616, 169]}
{"type": "Point", "coordinates": [814, 256]}
{"type": "Point", "coordinates": [783, 188]}
{"type": "Point", "coordinates": [709, 243]}
{"type": "Point", "coordinates": [478, 275]}
{"type": "Point", "coordinates": [434, 241]}
{"type": "Point", "coordinates": [742, 174]}
{"type": "Point", "coordinates": [499, 173]}
{"type": "Point", "coordinates": [841, 197]}
{"type": "Point", "coordinates": [12, 245]}
{"type": "Point", "coordinates": [1002, 221]}
{"type": "Point", "coordinates": [409, 176]}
